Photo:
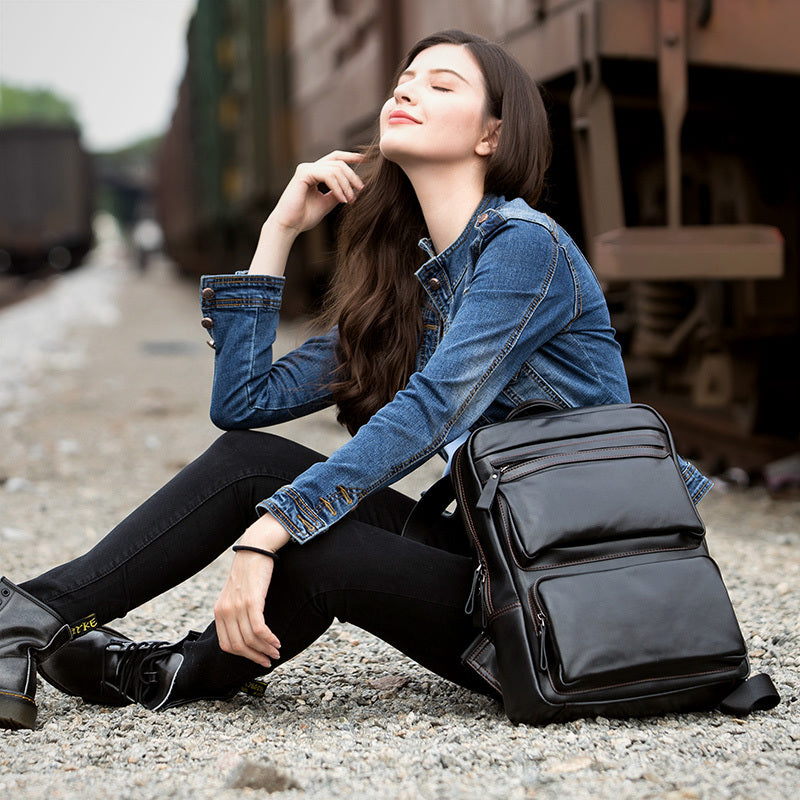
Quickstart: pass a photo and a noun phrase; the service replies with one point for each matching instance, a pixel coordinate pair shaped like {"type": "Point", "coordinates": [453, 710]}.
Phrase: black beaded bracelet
{"type": "Point", "coordinates": [268, 553]}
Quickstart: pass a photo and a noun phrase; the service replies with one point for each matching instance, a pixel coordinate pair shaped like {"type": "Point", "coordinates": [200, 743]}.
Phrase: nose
{"type": "Point", "coordinates": [404, 93]}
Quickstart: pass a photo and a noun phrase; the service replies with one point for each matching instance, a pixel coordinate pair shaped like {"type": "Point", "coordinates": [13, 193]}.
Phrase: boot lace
{"type": "Point", "coordinates": [136, 674]}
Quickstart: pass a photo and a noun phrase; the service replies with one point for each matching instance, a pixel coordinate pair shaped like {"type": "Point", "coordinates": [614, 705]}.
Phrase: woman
{"type": "Point", "coordinates": [503, 309]}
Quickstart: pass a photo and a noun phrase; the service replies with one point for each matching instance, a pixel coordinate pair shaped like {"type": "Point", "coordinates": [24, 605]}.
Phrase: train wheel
{"type": "Point", "coordinates": [59, 257]}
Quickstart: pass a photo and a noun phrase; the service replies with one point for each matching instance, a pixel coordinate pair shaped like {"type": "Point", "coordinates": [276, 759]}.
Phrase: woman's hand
{"type": "Point", "coordinates": [302, 205]}
{"type": "Point", "coordinates": [239, 610]}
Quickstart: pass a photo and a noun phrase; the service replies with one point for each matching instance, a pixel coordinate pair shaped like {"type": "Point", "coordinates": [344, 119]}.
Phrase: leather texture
{"type": "Point", "coordinates": [107, 668]}
{"type": "Point", "coordinates": [29, 631]}
{"type": "Point", "coordinates": [594, 587]}
{"type": "Point", "coordinates": [78, 668]}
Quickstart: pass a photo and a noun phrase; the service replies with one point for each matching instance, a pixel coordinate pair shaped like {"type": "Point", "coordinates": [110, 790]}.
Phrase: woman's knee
{"type": "Point", "coordinates": [233, 444]}
{"type": "Point", "coordinates": [245, 448]}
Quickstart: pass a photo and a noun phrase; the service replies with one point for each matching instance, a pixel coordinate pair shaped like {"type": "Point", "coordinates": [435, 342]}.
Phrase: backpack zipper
{"type": "Point", "coordinates": [540, 624]}
{"type": "Point", "coordinates": [478, 587]}
{"type": "Point", "coordinates": [541, 636]}
{"type": "Point", "coordinates": [500, 473]}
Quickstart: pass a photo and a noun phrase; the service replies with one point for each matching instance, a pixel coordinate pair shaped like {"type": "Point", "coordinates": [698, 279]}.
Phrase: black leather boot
{"type": "Point", "coordinates": [79, 668]}
{"type": "Point", "coordinates": [107, 668]}
{"type": "Point", "coordinates": [29, 632]}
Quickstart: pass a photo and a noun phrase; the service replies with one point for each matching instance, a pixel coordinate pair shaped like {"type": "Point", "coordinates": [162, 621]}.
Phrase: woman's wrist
{"type": "Point", "coordinates": [266, 533]}
{"type": "Point", "coordinates": [238, 548]}
{"type": "Point", "coordinates": [273, 248]}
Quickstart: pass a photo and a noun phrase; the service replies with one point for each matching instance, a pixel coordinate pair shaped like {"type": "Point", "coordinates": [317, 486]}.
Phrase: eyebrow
{"type": "Point", "coordinates": [437, 71]}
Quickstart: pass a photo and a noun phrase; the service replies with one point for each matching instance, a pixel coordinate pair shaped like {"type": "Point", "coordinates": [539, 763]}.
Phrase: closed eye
{"type": "Point", "coordinates": [441, 89]}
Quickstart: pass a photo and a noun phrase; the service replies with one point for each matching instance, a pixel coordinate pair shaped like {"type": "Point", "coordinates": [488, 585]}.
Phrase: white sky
{"type": "Point", "coordinates": [118, 61]}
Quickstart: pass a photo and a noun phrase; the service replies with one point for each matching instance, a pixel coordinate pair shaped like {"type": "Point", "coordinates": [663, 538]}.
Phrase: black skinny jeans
{"type": "Point", "coordinates": [408, 593]}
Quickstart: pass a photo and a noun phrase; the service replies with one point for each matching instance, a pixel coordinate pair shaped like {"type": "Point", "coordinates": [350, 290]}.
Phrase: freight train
{"type": "Point", "coordinates": [45, 197]}
{"type": "Point", "coordinates": [676, 167]}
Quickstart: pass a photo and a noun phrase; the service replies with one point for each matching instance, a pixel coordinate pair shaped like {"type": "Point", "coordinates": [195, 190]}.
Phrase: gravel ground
{"type": "Point", "coordinates": [104, 384]}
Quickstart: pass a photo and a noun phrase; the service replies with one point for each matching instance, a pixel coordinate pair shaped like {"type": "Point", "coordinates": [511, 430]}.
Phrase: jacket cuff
{"type": "Point", "coordinates": [303, 519]}
{"type": "Point", "coordinates": [241, 289]}
{"type": "Point", "coordinates": [697, 484]}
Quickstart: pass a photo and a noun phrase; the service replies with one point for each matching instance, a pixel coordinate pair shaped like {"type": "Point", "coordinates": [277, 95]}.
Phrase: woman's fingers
{"type": "Point", "coordinates": [262, 636]}
{"type": "Point", "coordinates": [336, 166]}
{"type": "Point", "coordinates": [241, 634]}
{"type": "Point", "coordinates": [239, 611]}
{"type": "Point", "coordinates": [335, 172]}
{"type": "Point", "coordinates": [231, 641]}
{"type": "Point", "coordinates": [302, 205]}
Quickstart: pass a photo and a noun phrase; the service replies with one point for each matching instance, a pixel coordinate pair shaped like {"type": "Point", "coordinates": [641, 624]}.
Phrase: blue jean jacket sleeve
{"type": "Point", "coordinates": [522, 293]}
{"type": "Point", "coordinates": [520, 303]}
{"type": "Point", "coordinates": [697, 484]}
{"type": "Point", "coordinates": [249, 389]}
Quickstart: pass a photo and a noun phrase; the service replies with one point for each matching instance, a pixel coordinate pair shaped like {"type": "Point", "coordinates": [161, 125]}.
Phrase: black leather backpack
{"type": "Point", "coordinates": [594, 589]}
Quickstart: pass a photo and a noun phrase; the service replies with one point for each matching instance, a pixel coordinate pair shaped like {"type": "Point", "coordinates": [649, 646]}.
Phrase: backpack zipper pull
{"type": "Point", "coordinates": [489, 490]}
{"type": "Point", "coordinates": [484, 600]}
{"type": "Point", "coordinates": [542, 650]}
{"type": "Point", "coordinates": [478, 581]}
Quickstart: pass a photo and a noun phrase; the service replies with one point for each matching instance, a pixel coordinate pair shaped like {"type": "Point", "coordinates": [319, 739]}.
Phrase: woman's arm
{"type": "Point", "coordinates": [239, 611]}
{"type": "Point", "coordinates": [303, 205]}
{"type": "Point", "coordinates": [521, 294]}
{"type": "Point", "coordinates": [241, 310]}
{"type": "Point", "coordinates": [249, 389]}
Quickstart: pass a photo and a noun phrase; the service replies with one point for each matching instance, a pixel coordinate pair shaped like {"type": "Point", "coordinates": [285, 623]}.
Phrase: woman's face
{"type": "Point", "coordinates": [437, 112]}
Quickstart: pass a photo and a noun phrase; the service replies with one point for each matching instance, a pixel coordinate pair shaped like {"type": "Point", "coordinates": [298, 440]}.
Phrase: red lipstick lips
{"type": "Point", "coordinates": [399, 116]}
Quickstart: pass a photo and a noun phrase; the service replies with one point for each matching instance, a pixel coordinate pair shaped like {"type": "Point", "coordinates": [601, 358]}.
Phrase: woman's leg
{"type": "Point", "coordinates": [186, 525]}
{"type": "Point", "coordinates": [407, 593]}
{"type": "Point", "coordinates": [410, 594]}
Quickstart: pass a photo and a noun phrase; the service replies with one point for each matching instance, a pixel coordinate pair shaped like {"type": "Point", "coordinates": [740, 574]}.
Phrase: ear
{"type": "Point", "coordinates": [488, 144]}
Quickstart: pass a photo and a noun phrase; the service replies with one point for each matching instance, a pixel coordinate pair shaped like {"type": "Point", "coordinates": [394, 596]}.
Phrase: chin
{"type": "Point", "coordinates": [396, 151]}
{"type": "Point", "coordinates": [393, 154]}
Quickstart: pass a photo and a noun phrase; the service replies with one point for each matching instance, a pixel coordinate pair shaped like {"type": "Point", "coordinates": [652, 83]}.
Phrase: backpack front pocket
{"type": "Point", "coordinates": [601, 494]}
{"type": "Point", "coordinates": [668, 621]}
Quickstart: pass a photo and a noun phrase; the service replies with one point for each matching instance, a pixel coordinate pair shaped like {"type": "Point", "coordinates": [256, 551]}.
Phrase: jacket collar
{"type": "Point", "coordinates": [445, 270]}
{"type": "Point", "coordinates": [466, 235]}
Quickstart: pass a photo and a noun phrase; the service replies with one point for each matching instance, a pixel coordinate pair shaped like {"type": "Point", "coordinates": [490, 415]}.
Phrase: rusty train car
{"type": "Point", "coordinates": [675, 166]}
{"type": "Point", "coordinates": [46, 197]}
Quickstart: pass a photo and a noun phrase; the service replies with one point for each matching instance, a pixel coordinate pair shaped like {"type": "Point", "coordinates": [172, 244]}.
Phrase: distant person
{"type": "Point", "coordinates": [497, 308]}
{"type": "Point", "coordinates": [147, 241]}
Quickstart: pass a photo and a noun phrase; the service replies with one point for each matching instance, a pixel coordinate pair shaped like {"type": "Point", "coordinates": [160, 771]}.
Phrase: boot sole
{"type": "Point", "coordinates": [16, 711]}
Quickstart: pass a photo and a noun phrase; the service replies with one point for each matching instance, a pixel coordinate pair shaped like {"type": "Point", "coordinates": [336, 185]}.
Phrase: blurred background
{"type": "Point", "coordinates": [676, 161]}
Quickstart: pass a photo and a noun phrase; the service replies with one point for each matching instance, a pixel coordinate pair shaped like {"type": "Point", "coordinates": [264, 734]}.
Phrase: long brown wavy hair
{"type": "Point", "coordinates": [375, 297]}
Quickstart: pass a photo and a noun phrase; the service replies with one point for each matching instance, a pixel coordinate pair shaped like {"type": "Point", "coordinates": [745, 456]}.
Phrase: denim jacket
{"type": "Point", "coordinates": [512, 313]}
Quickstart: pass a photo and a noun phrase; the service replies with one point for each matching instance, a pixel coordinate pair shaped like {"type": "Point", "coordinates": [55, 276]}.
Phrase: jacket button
{"type": "Point", "coordinates": [482, 218]}
{"type": "Point", "coordinates": [435, 284]}
{"type": "Point", "coordinates": [208, 293]}
{"type": "Point", "coordinates": [207, 323]}
{"type": "Point", "coordinates": [212, 344]}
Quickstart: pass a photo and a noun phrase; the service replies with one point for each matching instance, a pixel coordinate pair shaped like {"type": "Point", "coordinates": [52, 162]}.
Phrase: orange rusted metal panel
{"type": "Point", "coordinates": [720, 252]}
